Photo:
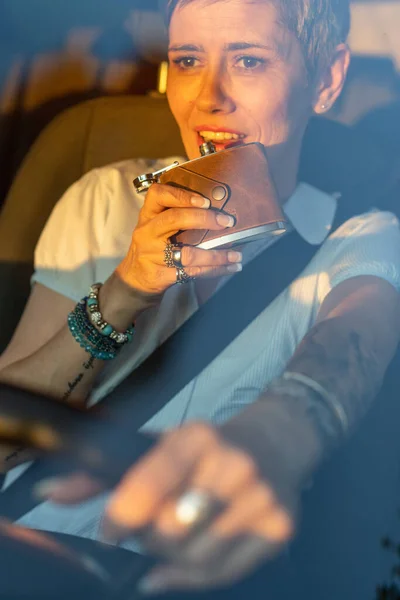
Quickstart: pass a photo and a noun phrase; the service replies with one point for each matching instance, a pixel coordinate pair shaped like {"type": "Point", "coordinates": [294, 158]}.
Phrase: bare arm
{"type": "Point", "coordinates": [44, 357]}
{"type": "Point", "coordinates": [354, 339]}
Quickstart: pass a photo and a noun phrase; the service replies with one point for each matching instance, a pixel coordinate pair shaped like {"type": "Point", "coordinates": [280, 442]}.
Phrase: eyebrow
{"type": "Point", "coordinates": [233, 47]}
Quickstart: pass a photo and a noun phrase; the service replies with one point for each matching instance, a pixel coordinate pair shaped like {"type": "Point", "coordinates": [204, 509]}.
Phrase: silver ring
{"type": "Point", "coordinates": [177, 258]}
{"type": "Point", "coordinates": [182, 276]}
{"type": "Point", "coordinates": [168, 260]}
{"type": "Point", "coordinates": [193, 507]}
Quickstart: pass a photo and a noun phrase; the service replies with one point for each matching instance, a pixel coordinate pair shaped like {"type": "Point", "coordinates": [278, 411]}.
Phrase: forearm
{"type": "Point", "coordinates": [61, 369]}
{"type": "Point", "coordinates": [346, 357]}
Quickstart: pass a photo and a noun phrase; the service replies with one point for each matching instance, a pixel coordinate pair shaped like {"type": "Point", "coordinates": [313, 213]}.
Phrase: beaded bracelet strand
{"type": "Point", "coordinates": [92, 332]}
{"type": "Point", "coordinates": [86, 344]}
{"type": "Point", "coordinates": [97, 319]}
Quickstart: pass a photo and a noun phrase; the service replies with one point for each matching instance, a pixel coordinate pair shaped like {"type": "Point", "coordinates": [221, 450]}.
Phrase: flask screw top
{"type": "Point", "coordinates": [207, 148]}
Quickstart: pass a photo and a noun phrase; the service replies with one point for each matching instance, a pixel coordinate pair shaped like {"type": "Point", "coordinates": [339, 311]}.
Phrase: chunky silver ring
{"type": "Point", "coordinates": [193, 507]}
{"type": "Point", "coordinates": [168, 258]}
{"type": "Point", "coordinates": [182, 276]}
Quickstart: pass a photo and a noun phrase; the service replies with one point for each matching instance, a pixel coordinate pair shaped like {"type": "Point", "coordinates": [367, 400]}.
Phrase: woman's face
{"type": "Point", "coordinates": [237, 74]}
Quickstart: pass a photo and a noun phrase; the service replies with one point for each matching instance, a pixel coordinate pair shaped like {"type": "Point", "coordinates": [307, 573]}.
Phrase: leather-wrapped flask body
{"type": "Point", "coordinates": [238, 182]}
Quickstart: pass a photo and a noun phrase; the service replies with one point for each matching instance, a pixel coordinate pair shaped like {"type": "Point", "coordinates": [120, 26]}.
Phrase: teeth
{"type": "Point", "coordinates": [220, 136]}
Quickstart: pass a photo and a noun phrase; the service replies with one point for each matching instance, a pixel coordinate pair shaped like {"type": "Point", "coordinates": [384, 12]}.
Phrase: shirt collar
{"type": "Point", "coordinates": [311, 212]}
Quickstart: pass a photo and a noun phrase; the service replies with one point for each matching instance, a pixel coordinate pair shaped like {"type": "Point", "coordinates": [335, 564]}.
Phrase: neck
{"type": "Point", "coordinates": [284, 161]}
{"type": "Point", "coordinates": [284, 168]}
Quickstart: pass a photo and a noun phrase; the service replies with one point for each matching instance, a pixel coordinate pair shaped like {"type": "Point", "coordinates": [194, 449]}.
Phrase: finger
{"type": "Point", "coordinates": [276, 526]}
{"type": "Point", "coordinates": [196, 257]}
{"type": "Point", "coordinates": [173, 220]}
{"type": "Point", "coordinates": [202, 272]}
{"type": "Point", "coordinates": [158, 475]}
{"type": "Point", "coordinates": [163, 579]}
{"type": "Point", "coordinates": [253, 502]}
{"type": "Point", "coordinates": [245, 556]}
{"type": "Point", "coordinates": [236, 521]}
{"type": "Point", "coordinates": [160, 197]}
{"type": "Point", "coordinates": [69, 490]}
{"type": "Point", "coordinates": [221, 473]}
{"type": "Point", "coordinates": [254, 514]}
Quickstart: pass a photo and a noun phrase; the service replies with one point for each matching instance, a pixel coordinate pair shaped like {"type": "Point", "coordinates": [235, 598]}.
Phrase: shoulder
{"type": "Point", "coordinates": [366, 244]}
{"type": "Point", "coordinates": [371, 235]}
{"type": "Point", "coordinates": [104, 191]}
{"type": "Point", "coordinates": [90, 228]}
{"type": "Point", "coordinates": [118, 173]}
{"type": "Point", "coordinates": [374, 222]}
{"type": "Point", "coordinates": [113, 178]}
{"type": "Point", "coordinates": [123, 172]}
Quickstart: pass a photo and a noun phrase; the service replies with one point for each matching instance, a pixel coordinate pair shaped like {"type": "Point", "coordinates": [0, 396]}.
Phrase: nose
{"type": "Point", "coordinates": [213, 96]}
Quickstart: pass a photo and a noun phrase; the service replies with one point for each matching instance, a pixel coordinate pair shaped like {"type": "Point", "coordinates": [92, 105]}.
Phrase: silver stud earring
{"type": "Point", "coordinates": [324, 106]}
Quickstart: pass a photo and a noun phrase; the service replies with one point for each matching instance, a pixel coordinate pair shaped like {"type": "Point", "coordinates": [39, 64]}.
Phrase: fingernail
{"type": "Point", "coordinates": [225, 220]}
{"type": "Point", "coordinates": [47, 487]}
{"type": "Point", "coordinates": [200, 202]}
{"type": "Point", "coordinates": [235, 257]}
{"type": "Point", "coordinates": [235, 268]}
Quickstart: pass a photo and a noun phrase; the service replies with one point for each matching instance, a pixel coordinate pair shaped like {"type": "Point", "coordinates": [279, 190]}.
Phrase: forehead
{"type": "Point", "coordinates": [224, 21]}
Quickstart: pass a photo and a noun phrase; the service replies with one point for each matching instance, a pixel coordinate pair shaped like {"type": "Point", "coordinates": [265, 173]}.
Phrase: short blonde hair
{"type": "Point", "coordinates": [320, 25]}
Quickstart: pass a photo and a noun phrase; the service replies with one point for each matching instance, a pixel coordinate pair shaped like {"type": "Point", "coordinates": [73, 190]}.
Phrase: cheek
{"type": "Point", "coordinates": [276, 109]}
{"type": "Point", "coordinates": [180, 100]}
{"type": "Point", "coordinates": [181, 105]}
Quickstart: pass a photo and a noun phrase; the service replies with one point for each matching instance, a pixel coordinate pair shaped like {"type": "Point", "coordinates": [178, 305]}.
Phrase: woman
{"type": "Point", "coordinates": [260, 69]}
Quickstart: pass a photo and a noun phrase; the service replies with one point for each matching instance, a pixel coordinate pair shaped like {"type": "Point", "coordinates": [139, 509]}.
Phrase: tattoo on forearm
{"type": "Point", "coordinates": [74, 384]}
{"type": "Point", "coordinates": [343, 361]}
{"type": "Point", "coordinates": [89, 364]}
{"type": "Point", "coordinates": [14, 454]}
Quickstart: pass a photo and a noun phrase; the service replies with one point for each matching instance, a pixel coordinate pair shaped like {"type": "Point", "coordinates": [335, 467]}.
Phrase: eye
{"type": "Point", "coordinates": [186, 62]}
{"type": "Point", "coordinates": [249, 63]}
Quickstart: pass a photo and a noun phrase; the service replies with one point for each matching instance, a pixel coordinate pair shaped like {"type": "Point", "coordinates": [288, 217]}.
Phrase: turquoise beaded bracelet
{"type": "Point", "coordinates": [88, 345]}
{"type": "Point", "coordinates": [92, 333]}
{"type": "Point", "coordinates": [97, 319]}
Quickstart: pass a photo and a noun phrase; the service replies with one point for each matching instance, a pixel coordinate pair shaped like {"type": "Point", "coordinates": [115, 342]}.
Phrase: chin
{"type": "Point", "coordinates": [192, 151]}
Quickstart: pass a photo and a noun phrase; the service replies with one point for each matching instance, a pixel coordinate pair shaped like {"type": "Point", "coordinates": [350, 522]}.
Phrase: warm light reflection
{"type": "Point", "coordinates": [304, 288]}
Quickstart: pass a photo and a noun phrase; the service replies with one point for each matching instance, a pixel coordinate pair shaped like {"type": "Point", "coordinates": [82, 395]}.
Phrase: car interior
{"type": "Point", "coordinates": [360, 165]}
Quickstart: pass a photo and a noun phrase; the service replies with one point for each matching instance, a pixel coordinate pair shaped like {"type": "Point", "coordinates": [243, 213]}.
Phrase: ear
{"type": "Point", "coordinates": [331, 80]}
